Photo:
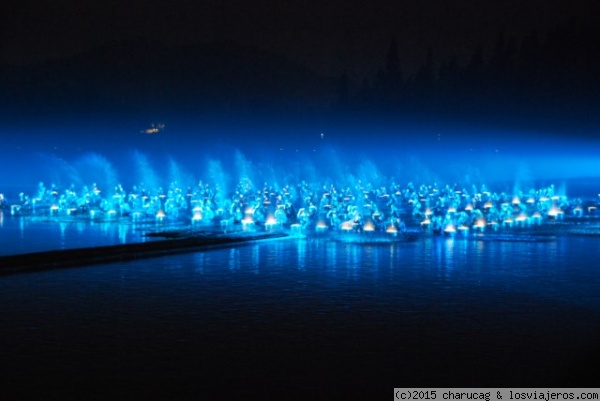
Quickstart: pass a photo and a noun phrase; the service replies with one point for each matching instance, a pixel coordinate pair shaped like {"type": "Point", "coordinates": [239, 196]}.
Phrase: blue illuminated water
{"type": "Point", "coordinates": [20, 235]}
{"type": "Point", "coordinates": [308, 319]}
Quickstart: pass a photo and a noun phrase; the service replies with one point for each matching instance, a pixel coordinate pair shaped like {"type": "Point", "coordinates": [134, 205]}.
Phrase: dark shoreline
{"type": "Point", "coordinates": [79, 257]}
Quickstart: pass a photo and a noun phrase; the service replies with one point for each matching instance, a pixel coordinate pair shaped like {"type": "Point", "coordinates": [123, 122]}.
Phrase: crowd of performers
{"type": "Point", "coordinates": [310, 206]}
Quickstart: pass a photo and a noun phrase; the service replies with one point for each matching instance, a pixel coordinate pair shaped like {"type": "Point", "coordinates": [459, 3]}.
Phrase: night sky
{"type": "Point", "coordinates": [327, 36]}
{"type": "Point", "coordinates": [279, 59]}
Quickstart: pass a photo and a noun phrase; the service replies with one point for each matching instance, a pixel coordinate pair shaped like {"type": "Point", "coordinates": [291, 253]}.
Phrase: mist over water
{"type": "Point", "coordinates": [224, 154]}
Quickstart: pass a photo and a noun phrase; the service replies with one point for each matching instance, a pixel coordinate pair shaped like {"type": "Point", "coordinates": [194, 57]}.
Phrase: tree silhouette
{"type": "Point", "coordinates": [523, 79]}
{"type": "Point", "coordinates": [426, 75]}
{"type": "Point", "coordinates": [389, 82]}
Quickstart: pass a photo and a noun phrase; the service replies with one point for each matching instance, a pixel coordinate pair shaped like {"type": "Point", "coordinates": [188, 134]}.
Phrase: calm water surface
{"type": "Point", "coordinates": [37, 234]}
{"type": "Point", "coordinates": [308, 319]}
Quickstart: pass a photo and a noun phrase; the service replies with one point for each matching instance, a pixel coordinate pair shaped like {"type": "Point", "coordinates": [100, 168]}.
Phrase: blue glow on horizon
{"type": "Point", "coordinates": [409, 152]}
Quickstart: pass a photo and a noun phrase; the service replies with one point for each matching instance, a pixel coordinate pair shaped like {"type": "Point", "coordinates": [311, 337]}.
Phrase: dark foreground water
{"type": "Point", "coordinates": [307, 319]}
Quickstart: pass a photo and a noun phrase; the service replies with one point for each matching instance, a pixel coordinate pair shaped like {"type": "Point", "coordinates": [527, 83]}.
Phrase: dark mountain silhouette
{"type": "Point", "coordinates": [142, 76]}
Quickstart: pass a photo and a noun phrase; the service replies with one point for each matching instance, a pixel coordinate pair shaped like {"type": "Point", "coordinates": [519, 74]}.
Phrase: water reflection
{"type": "Point", "coordinates": [199, 262]}
{"type": "Point", "coordinates": [480, 248]}
{"type": "Point", "coordinates": [429, 250]}
{"type": "Point", "coordinates": [123, 230]}
{"type": "Point", "coordinates": [331, 257]}
{"type": "Point", "coordinates": [392, 256]}
{"type": "Point", "coordinates": [552, 250]}
{"type": "Point", "coordinates": [301, 253]}
{"type": "Point", "coordinates": [234, 259]}
{"type": "Point", "coordinates": [371, 259]}
{"type": "Point", "coordinates": [444, 255]}
{"type": "Point", "coordinates": [353, 260]}
{"type": "Point", "coordinates": [80, 227]}
{"type": "Point", "coordinates": [255, 266]}
{"type": "Point", "coordinates": [451, 262]}
{"type": "Point", "coordinates": [274, 253]}
{"type": "Point", "coordinates": [63, 228]}
{"type": "Point", "coordinates": [20, 234]}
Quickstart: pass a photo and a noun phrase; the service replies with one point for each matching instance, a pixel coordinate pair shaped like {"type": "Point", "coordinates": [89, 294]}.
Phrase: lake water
{"type": "Point", "coordinates": [20, 235]}
{"type": "Point", "coordinates": [306, 319]}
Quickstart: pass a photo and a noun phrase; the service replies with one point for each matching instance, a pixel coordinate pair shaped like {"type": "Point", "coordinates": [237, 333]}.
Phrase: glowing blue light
{"type": "Point", "coordinates": [241, 195]}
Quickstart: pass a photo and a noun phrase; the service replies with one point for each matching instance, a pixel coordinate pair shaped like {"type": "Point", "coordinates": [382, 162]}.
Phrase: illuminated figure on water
{"type": "Point", "coordinates": [301, 205]}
